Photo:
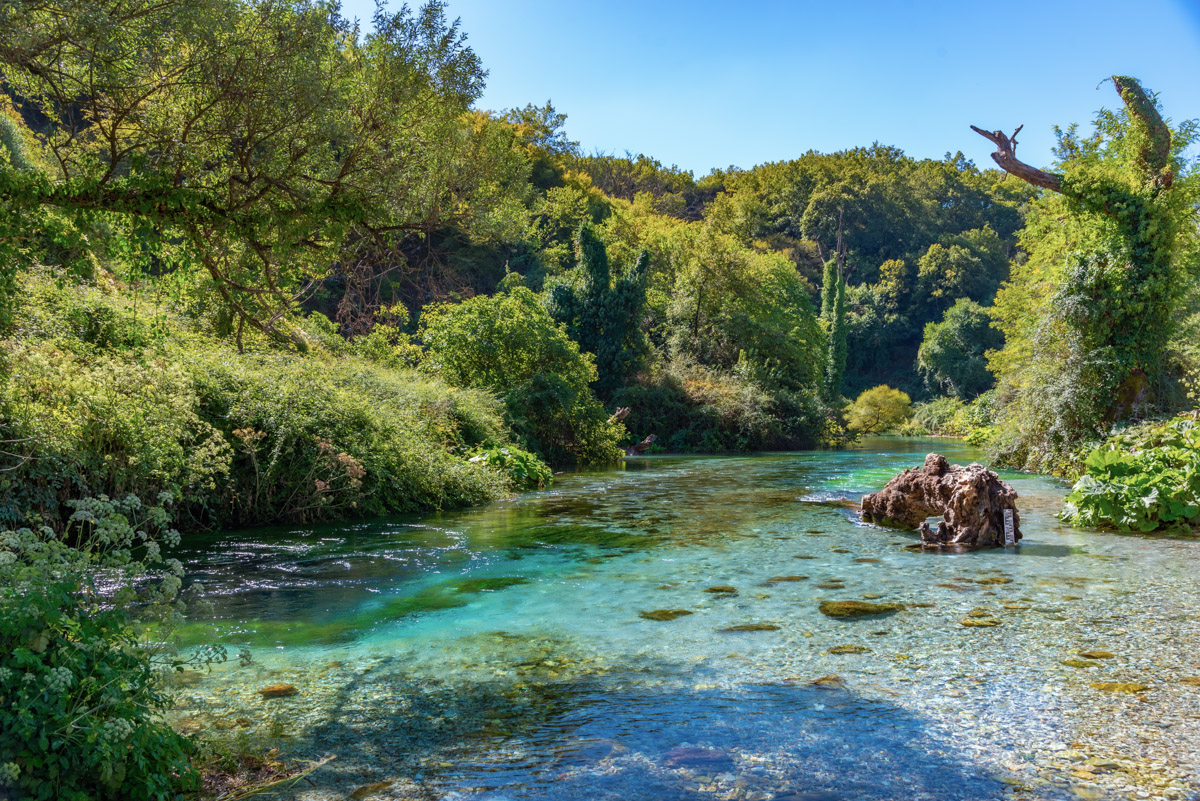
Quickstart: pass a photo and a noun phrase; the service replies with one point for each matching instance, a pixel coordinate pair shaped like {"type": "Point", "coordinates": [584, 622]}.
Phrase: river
{"type": "Point", "coordinates": [500, 652]}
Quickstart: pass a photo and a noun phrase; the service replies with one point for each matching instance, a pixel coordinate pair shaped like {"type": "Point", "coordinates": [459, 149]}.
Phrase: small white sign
{"type": "Point", "coordinates": [1010, 533]}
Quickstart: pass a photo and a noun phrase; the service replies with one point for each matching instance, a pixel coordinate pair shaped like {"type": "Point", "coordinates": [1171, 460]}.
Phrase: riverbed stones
{"type": "Point", "coordinates": [851, 610]}
{"type": "Point", "coordinates": [971, 500]}
{"type": "Point", "coordinates": [664, 614]}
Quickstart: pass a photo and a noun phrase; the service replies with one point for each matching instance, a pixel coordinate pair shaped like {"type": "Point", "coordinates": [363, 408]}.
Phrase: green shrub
{"type": "Point", "coordinates": [523, 468]}
{"type": "Point", "coordinates": [81, 685]}
{"type": "Point", "coordinates": [103, 398]}
{"type": "Point", "coordinates": [1145, 479]}
{"type": "Point", "coordinates": [509, 344]}
{"type": "Point", "coordinates": [878, 410]}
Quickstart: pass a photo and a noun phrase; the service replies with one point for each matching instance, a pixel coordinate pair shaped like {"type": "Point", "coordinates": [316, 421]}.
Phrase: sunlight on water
{"type": "Point", "coordinates": [654, 633]}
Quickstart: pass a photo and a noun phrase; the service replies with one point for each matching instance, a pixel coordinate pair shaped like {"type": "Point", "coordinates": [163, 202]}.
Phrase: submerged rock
{"type": "Point", "coordinates": [751, 627]}
{"type": "Point", "coordinates": [664, 614]}
{"type": "Point", "coordinates": [1120, 686]}
{"type": "Point", "coordinates": [857, 609]}
{"type": "Point", "coordinates": [1080, 663]}
{"type": "Point", "coordinates": [1096, 654]}
{"type": "Point", "coordinates": [972, 501]}
{"type": "Point", "coordinates": [689, 757]}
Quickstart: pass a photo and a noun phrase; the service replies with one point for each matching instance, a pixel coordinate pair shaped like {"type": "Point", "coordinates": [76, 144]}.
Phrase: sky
{"type": "Point", "coordinates": [709, 84]}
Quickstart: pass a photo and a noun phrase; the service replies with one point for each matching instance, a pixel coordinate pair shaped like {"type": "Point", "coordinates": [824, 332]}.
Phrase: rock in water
{"type": "Point", "coordinates": [972, 501]}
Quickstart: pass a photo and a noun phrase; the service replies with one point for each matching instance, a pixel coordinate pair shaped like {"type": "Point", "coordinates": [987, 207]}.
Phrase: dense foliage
{"type": "Point", "coordinates": [1144, 479]}
{"type": "Point", "coordinates": [1093, 315]}
{"type": "Point", "coordinates": [107, 398]}
{"type": "Point", "coordinates": [951, 358]}
{"type": "Point", "coordinates": [509, 343]}
{"type": "Point", "coordinates": [82, 685]}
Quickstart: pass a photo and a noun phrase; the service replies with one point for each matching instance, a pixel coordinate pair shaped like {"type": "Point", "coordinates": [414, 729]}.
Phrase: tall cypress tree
{"type": "Point", "coordinates": [835, 368]}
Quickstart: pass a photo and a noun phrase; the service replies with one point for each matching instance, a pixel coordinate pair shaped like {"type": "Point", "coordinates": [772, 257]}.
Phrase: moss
{"type": "Point", "coordinates": [1120, 686]}
{"type": "Point", "coordinates": [751, 627]}
{"type": "Point", "coordinates": [849, 649]}
{"type": "Point", "coordinates": [489, 584]}
{"type": "Point", "coordinates": [664, 614]}
{"type": "Point", "coordinates": [849, 610]}
{"type": "Point", "coordinates": [1096, 654]}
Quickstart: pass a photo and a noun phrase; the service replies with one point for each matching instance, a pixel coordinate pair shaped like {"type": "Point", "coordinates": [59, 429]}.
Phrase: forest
{"type": "Point", "coordinates": [261, 265]}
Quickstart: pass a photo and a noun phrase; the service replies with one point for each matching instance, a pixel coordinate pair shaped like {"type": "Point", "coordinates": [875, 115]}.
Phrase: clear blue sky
{"type": "Point", "coordinates": [709, 84]}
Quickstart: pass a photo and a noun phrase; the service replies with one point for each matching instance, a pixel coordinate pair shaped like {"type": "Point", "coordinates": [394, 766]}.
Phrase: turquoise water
{"type": "Point", "coordinates": [499, 652]}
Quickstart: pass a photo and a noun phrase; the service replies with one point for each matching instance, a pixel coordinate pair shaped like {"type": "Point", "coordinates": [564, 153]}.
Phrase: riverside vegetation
{"type": "Point", "coordinates": [260, 266]}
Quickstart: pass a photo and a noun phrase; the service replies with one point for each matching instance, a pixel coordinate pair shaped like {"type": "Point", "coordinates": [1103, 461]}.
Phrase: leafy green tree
{"type": "Point", "coordinates": [252, 141]}
{"type": "Point", "coordinates": [878, 410]}
{"type": "Point", "coordinates": [602, 314]}
{"type": "Point", "coordinates": [509, 344]}
{"type": "Point", "coordinates": [952, 355]}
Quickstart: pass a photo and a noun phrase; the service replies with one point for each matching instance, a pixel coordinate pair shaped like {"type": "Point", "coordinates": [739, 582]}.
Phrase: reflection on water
{"type": "Point", "coordinates": [499, 653]}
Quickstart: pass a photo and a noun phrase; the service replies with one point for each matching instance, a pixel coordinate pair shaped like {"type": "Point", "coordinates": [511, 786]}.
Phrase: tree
{"type": "Point", "coordinates": [509, 344]}
{"type": "Point", "coordinates": [1115, 298]}
{"type": "Point", "coordinates": [252, 140]}
{"type": "Point", "coordinates": [879, 409]}
{"type": "Point", "coordinates": [602, 314]}
{"type": "Point", "coordinates": [835, 321]}
{"type": "Point", "coordinates": [951, 358]}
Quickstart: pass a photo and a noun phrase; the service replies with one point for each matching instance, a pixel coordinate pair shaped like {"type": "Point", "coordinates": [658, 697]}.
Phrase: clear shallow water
{"type": "Point", "coordinates": [498, 653]}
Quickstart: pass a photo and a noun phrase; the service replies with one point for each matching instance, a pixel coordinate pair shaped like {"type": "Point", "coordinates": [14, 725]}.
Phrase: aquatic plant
{"type": "Point", "coordinates": [1146, 479]}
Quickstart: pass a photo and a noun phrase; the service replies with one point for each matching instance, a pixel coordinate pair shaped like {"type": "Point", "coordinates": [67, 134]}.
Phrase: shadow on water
{"type": "Point", "coordinates": [622, 737]}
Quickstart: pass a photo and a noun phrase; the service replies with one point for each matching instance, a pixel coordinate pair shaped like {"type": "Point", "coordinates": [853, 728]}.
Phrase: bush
{"type": "Point", "coordinates": [1145, 479]}
{"type": "Point", "coordinates": [694, 409]}
{"type": "Point", "coordinates": [509, 344]}
{"type": "Point", "coordinates": [103, 399]}
{"type": "Point", "coordinates": [878, 410]}
{"type": "Point", "coordinates": [81, 687]}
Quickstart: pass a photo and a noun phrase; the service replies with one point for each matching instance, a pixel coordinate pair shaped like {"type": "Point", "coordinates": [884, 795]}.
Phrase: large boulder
{"type": "Point", "coordinates": [971, 500]}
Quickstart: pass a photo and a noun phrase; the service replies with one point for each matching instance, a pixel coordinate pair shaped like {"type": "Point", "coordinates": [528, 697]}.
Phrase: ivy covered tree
{"type": "Point", "coordinates": [1124, 204]}
{"type": "Point", "coordinates": [601, 313]}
